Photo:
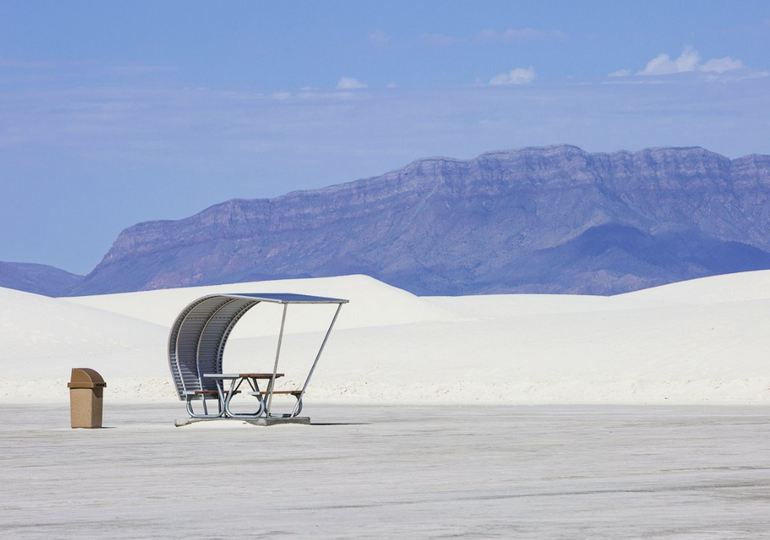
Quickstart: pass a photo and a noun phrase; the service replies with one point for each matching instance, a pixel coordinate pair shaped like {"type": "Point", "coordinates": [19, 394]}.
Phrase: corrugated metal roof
{"type": "Point", "coordinates": [288, 298]}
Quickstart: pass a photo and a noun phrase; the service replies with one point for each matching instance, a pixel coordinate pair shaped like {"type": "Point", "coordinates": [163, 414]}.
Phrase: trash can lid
{"type": "Point", "coordinates": [85, 378]}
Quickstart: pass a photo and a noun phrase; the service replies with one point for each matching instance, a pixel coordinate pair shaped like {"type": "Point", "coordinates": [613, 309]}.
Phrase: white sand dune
{"type": "Point", "coordinates": [42, 338]}
{"type": "Point", "coordinates": [38, 333]}
{"type": "Point", "coordinates": [702, 341]}
{"type": "Point", "coordinates": [374, 304]}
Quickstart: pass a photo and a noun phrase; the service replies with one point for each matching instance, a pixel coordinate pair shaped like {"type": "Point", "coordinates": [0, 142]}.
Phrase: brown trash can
{"type": "Point", "coordinates": [86, 392]}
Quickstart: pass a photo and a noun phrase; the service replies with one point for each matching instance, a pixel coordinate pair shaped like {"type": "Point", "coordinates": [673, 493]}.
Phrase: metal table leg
{"type": "Point", "coordinates": [233, 388]}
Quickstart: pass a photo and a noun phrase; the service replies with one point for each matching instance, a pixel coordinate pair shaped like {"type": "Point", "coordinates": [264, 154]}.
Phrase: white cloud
{"type": "Point", "coordinates": [378, 37]}
{"type": "Point", "coordinates": [663, 64]}
{"type": "Point", "coordinates": [350, 83]}
{"type": "Point", "coordinates": [620, 73]}
{"type": "Point", "coordinates": [514, 77]}
{"type": "Point", "coordinates": [721, 65]}
{"type": "Point", "coordinates": [519, 34]}
{"type": "Point", "coordinates": [687, 62]}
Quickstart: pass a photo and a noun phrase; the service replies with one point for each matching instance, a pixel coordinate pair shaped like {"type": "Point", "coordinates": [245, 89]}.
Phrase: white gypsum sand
{"type": "Point", "coordinates": [592, 471]}
{"type": "Point", "coordinates": [702, 341]}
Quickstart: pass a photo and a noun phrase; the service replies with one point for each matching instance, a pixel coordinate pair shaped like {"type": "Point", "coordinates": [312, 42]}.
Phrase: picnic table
{"type": "Point", "coordinates": [264, 397]}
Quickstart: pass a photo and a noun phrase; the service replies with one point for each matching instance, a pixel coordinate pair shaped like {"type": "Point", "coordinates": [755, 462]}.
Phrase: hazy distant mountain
{"type": "Point", "coordinates": [554, 219]}
{"type": "Point", "coordinates": [37, 278]}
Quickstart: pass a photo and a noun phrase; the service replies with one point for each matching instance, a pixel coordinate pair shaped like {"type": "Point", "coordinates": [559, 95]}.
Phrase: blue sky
{"type": "Point", "coordinates": [113, 113]}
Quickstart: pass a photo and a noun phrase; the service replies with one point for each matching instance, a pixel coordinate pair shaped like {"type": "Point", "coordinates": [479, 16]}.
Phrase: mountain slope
{"type": "Point", "coordinates": [618, 258]}
{"type": "Point", "coordinates": [37, 278]}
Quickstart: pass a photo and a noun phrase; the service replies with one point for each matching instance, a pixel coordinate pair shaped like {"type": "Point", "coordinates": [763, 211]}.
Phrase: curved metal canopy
{"type": "Point", "coordinates": [198, 336]}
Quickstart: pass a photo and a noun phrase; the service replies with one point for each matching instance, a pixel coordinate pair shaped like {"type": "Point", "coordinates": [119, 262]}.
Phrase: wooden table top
{"type": "Point", "coordinates": [241, 375]}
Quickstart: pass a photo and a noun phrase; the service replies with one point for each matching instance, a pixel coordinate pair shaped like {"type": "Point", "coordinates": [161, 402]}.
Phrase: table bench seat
{"type": "Point", "coordinates": [207, 392]}
{"type": "Point", "coordinates": [277, 392]}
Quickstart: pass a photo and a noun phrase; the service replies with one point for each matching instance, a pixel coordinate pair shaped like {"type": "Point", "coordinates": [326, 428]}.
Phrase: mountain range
{"type": "Point", "coordinates": [552, 219]}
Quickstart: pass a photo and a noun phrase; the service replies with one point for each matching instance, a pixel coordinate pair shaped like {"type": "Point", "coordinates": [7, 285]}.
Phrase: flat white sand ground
{"type": "Point", "coordinates": [674, 472]}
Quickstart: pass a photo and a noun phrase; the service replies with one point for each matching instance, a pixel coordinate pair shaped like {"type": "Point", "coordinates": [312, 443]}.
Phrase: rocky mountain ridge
{"type": "Point", "coordinates": [552, 219]}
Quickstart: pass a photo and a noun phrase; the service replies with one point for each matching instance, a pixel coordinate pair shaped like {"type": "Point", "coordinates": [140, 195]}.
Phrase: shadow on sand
{"type": "Point", "coordinates": [340, 423]}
